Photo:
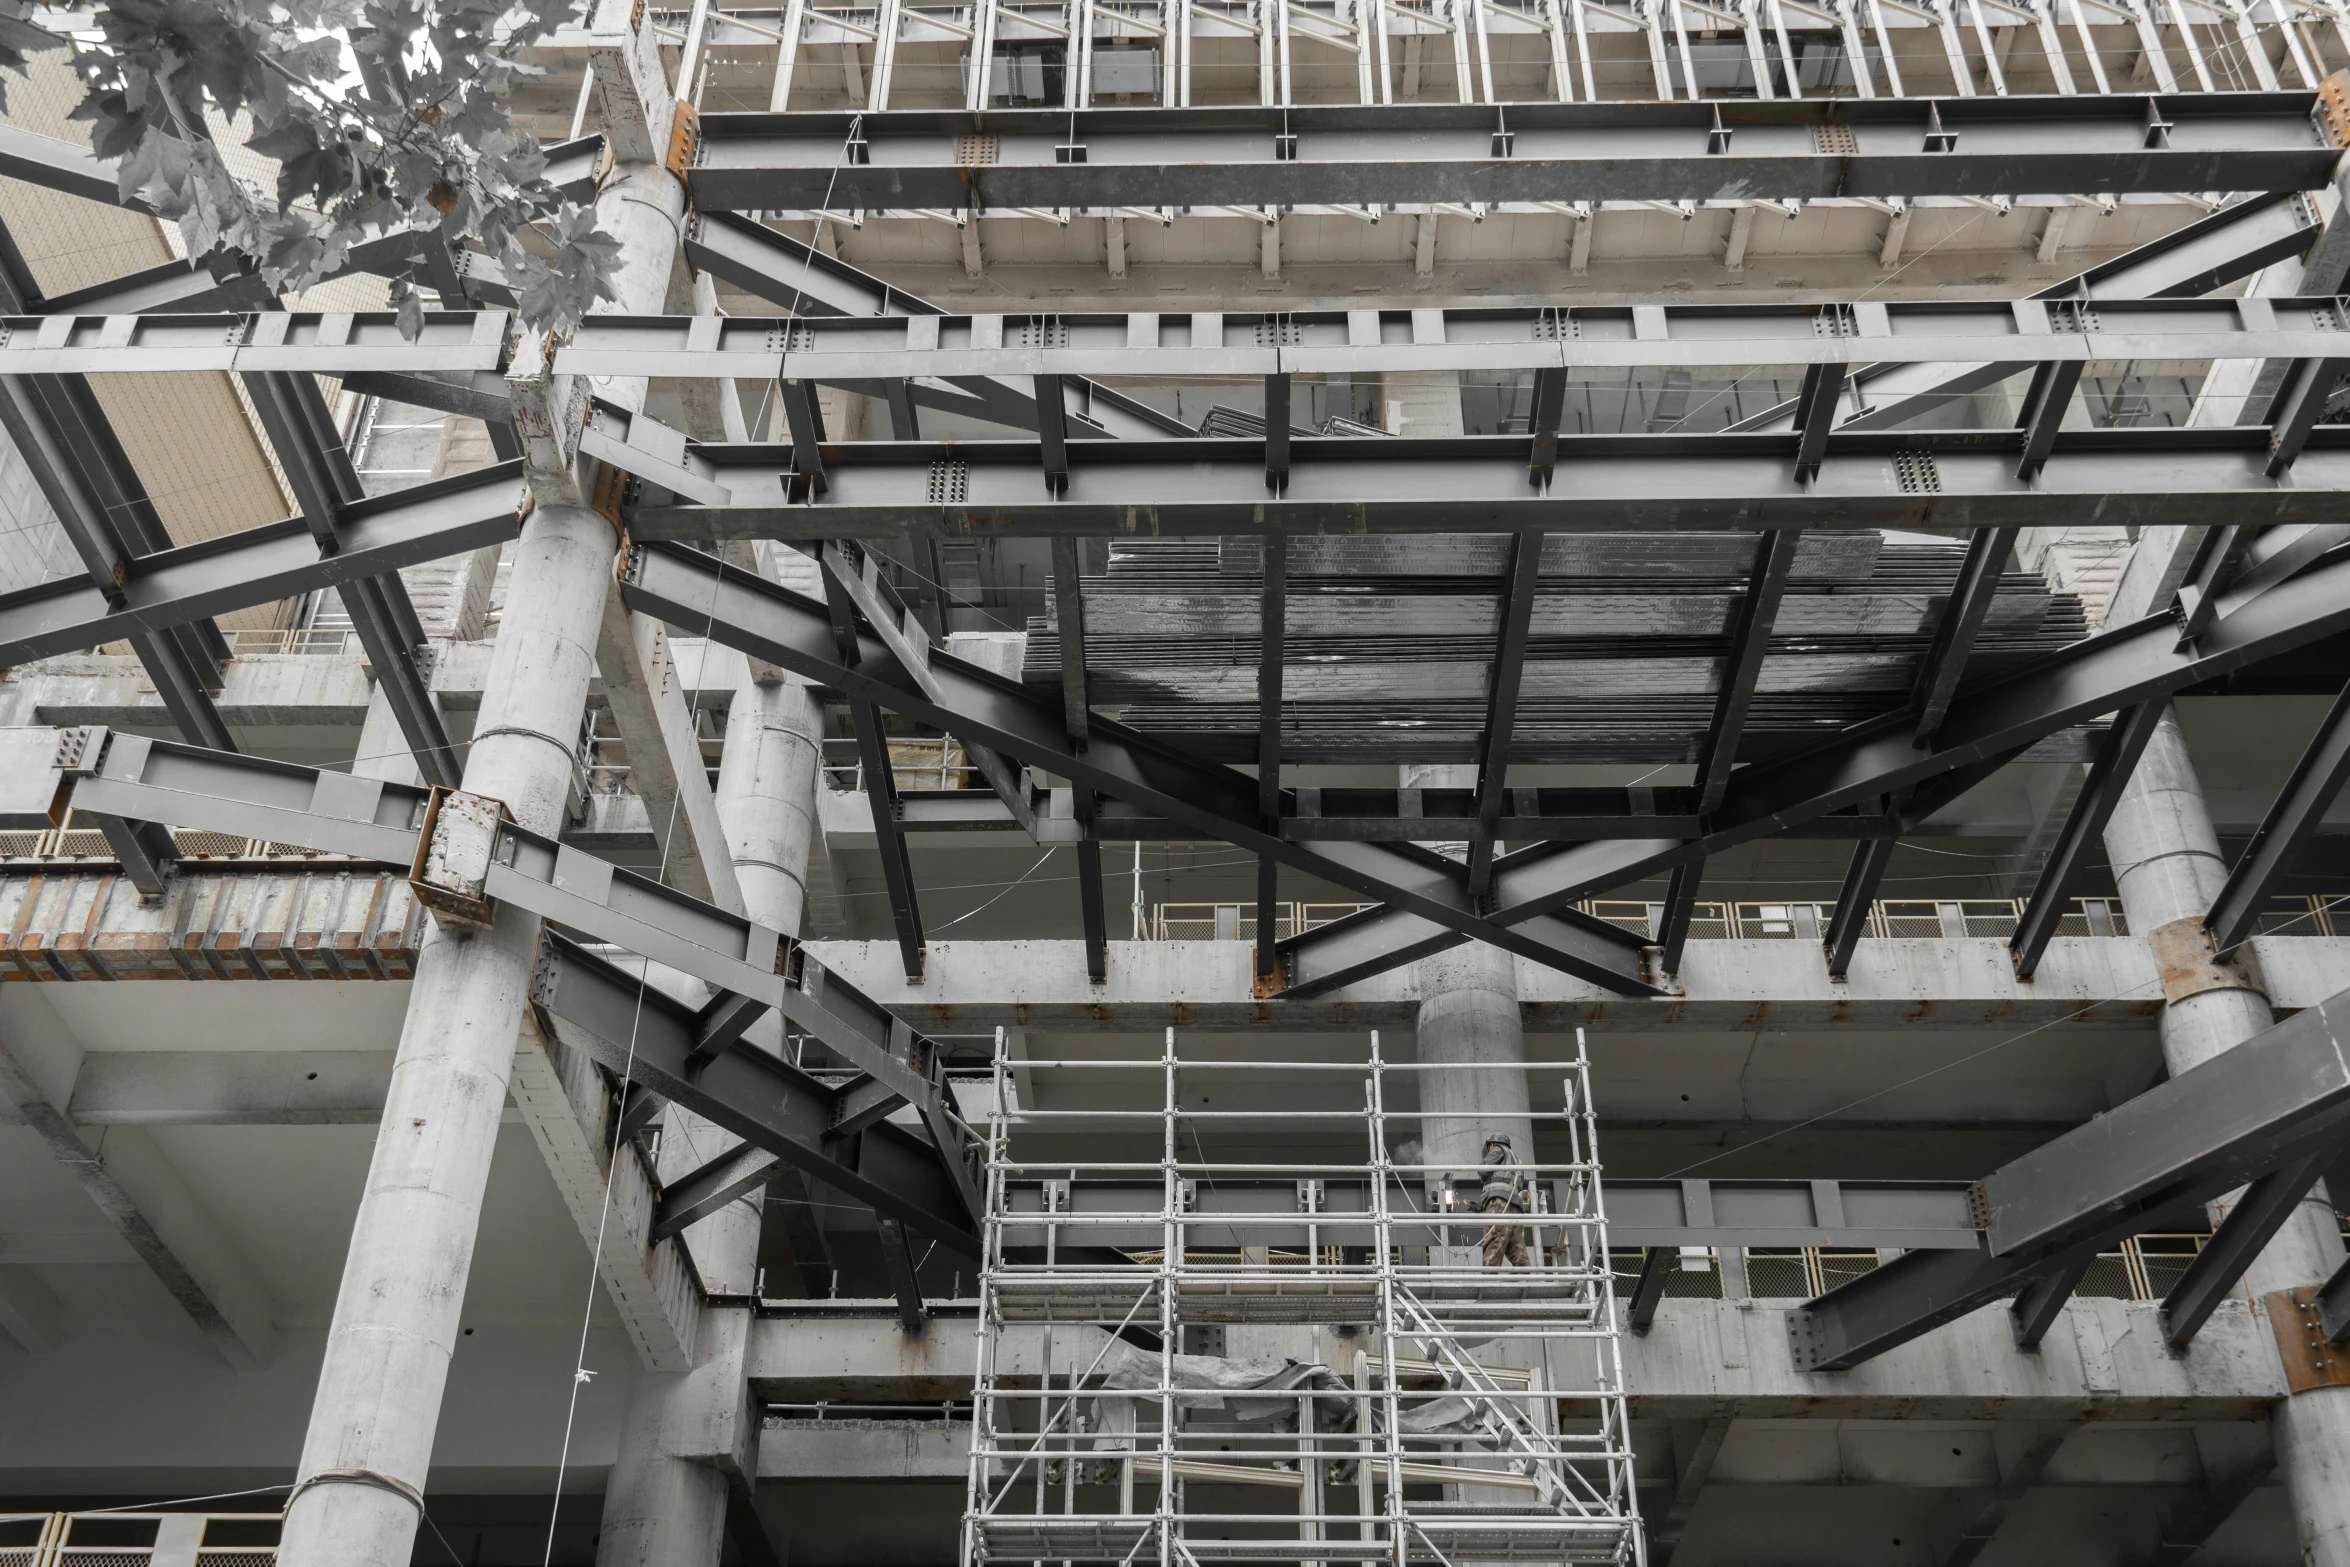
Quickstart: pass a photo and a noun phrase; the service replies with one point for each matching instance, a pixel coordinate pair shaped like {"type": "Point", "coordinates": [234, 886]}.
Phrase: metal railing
{"type": "Point", "coordinates": [915, 762]}
{"type": "Point", "coordinates": [125, 1539]}
{"type": "Point", "coordinates": [78, 841]}
{"type": "Point", "coordinates": [1216, 52]}
{"type": "Point", "coordinates": [1954, 918]}
{"type": "Point", "coordinates": [1238, 921]}
{"type": "Point", "coordinates": [2143, 1267]}
{"type": "Point", "coordinates": [317, 641]}
{"type": "Point", "coordinates": [1759, 920]}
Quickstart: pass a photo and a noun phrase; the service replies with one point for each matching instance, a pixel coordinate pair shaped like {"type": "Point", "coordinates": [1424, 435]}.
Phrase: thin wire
{"type": "Point", "coordinates": [580, 1374]}
{"type": "Point", "coordinates": [258, 1490]}
{"type": "Point", "coordinates": [999, 897]}
{"type": "Point", "coordinates": [216, 1496]}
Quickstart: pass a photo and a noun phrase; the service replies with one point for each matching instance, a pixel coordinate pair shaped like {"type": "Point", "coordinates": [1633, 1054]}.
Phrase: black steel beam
{"type": "Point", "coordinates": [897, 1260]}
{"type": "Point", "coordinates": [1315, 154]}
{"type": "Point", "coordinates": [881, 783]}
{"type": "Point", "coordinates": [1816, 406]}
{"type": "Point", "coordinates": [1530, 816]}
{"type": "Point", "coordinates": [182, 586]}
{"type": "Point", "coordinates": [1272, 635]}
{"type": "Point", "coordinates": [1750, 638]}
{"type": "Point", "coordinates": [790, 272]}
{"type": "Point", "coordinates": [638, 1107]}
{"type": "Point", "coordinates": [1961, 622]}
{"type": "Point", "coordinates": [1276, 431]}
{"type": "Point", "coordinates": [1076, 717]}
{"type": "Point", "coordinates": [862, 1101]}
{"type": "Point", "coordinates": [185, 683]}
{"type": "Point", "coordinates": [628, 1027]}
{"type": "Point", "coordinates": [1680, 906]}
{"type": "Point", "coordinates": [2303, 399]}
{"type": "Point", "coordinates": [1649, 1289]}
{"type": "Point", "coordinates": [772, 623]}
{"type": "Point", "coordinates": [1542, 425]}
{"type": "Point", "coordinates": [1092, 905]}
{"type": "Point", "coordinates": [804, 415]}
{"type": "Point", "coordinates": [2045, 402]}
{"type": "Point", "coordinates": [2274, 1103]}
{"type": "Point", "coordinates": [2333, 1306]}
{"type": "Point", "coordinates": [1052, 431]}
{"type": "Point", "coordinates": [57, 425]}
{"type": "Point", "coordinates": [1919, 1291]}
{"type": "Point", "coordinates": [807, 282]}
{"type": "Point", "coordinates": [2197, 597]}
{"type": "Point", "coordinates": [1504, 680]}
{"type": "Point", "coordinates": [2292, 818]}
{"type": "Point", "coordinates": [2280, 553]}
{"type": "Point", "coordinates": [2246, 1231]}
{"type": "Point", "coordinates": [2083, 833]}
{"type": "Point", "coordinates": [149, 854]}
{"type": "Point", "coordinates": [858, 574]}
{"type": "Point", "coordinates": [693, 1197]}
{"type": "Point", "coordinates": [339, 813]}
{"type": "Point", "coordinates": [2221, 248]}
{"type": "Point", "coordinates": [178, 287]}
{"type": "Point", "coordinates": [2119, 668]}
{"type": "Point", "coordinates": [1861, 880]}
{"type": "Point", "coordinates": [310, 451]}
{"type": "Point", "coordinates": [881, 490]}
{"type": "Point", "coordinates": [2039, 1304]}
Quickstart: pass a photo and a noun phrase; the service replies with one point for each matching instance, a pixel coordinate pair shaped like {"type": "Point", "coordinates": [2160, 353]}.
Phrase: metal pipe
{"type": "Point", "coordinates": [2167, 862]}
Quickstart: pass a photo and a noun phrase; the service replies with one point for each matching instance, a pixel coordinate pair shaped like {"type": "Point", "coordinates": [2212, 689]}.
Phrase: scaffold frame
{"type": "Point", "coordinates": [1192, 1353]}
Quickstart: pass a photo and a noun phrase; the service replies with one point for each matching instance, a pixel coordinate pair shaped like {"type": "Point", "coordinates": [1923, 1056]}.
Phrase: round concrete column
{"type": "Point", "coordinates": [395, 1322]}
{"type": "Point", "coordinates": [2166, 859]}
{"type": "Point", "coordinates": [665, 1502]}
{"type": "Point", "coordinates": [1468, 1018]}
{"type": "Point", "coordinates": [767, 797]}
{"type": "Point", "coordinates": [372, 1421]}
{"type": "Point", "coordinates": [1472, 1055]}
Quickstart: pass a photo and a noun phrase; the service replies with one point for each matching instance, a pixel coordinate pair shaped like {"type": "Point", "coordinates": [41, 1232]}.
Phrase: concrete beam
{"type": "Point", "coordinates": [2104, 1360]}
{"type": "Point", "coordinates": [643, 690]}
{"type": "Point", "coordinates": [1961, 1457]}
{"type": "Point", "coordinates": [610, 1194]}
{"type": "Point", "coordinates": [336, 920]}
{"type": "Point", "coordinates": [231, 1088]}
{"type": "Point", "coordinates": [30, 1311]}
{"type": "Point", "coordinates": [2090, 982]}
{"type": "Point", "coordinates": [2017, 1477]}
{"type": "Point", "coordinates": [1971, 1458]}
{"type": "Point", "coordinates": [331, 920]}
{"type": "Point", "coordinates": [1703, 1360]}
{"type": "Point", "coordinates": [326, 690]}
{"type": "Point", "coordinates": [803, 1449]}
{"type": "Point", "coordinates": [1695, 1447]}
{"type": "Point", "coordinates": [134, 1184]}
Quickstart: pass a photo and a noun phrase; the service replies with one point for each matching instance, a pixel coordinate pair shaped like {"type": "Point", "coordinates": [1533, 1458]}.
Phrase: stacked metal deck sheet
{"type": "Point", "coordinates": [1388, 640]}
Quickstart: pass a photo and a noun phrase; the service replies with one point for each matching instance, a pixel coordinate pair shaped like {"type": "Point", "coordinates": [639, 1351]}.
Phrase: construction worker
{"type": "Point", "coordinates": [1504, 1192]}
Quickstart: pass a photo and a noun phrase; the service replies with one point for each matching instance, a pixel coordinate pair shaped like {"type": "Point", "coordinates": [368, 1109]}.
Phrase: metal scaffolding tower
{"type": "Point", "coordinates": [1212, 1334]}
